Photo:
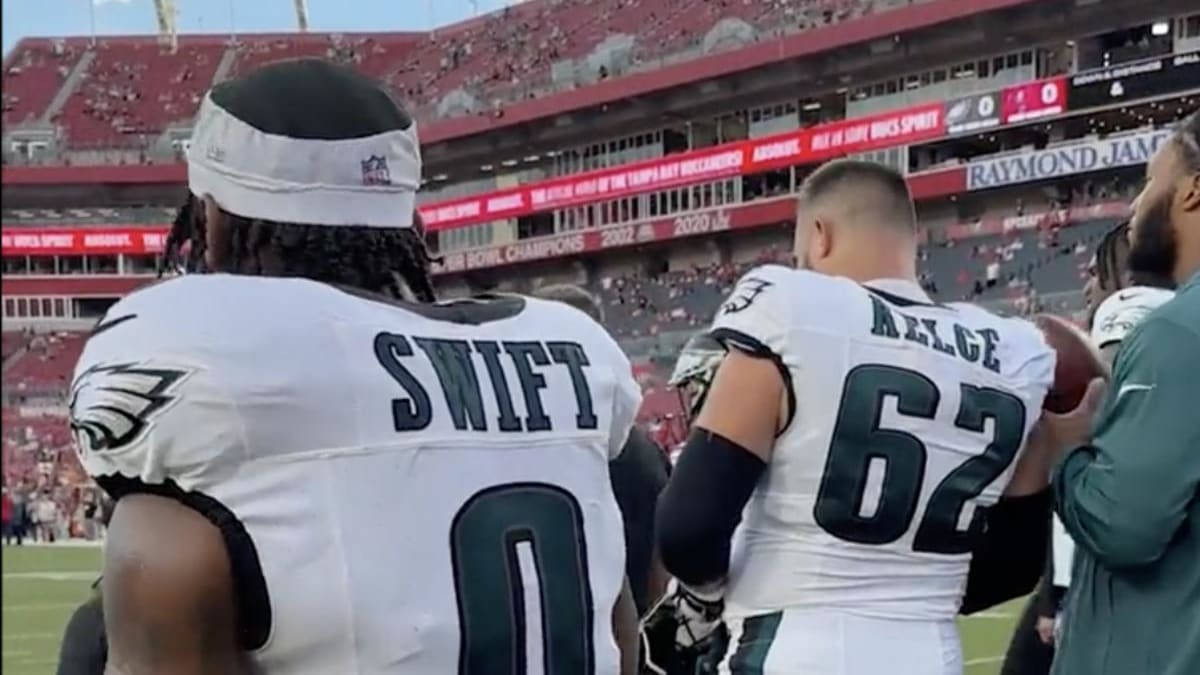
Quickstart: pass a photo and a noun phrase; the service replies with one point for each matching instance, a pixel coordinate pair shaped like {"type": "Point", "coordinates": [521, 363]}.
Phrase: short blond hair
{"type": "Point", "coordinates": [575, 296]}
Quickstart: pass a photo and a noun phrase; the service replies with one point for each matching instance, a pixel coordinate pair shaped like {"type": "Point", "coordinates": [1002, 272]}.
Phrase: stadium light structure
{"type": "Point", "coordinates": [301, 15]}
{"type": "Point", "coordinates": [165, 12]}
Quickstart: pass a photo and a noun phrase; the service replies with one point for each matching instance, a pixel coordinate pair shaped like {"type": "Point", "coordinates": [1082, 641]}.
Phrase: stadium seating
{"type": "Point", "coordinates": [1049, 259]}
{"type": "Point", "coordinates": [134, 88]}
{"type": "Point", "coordinates": [45, 367]}
{"type": "Point", "coordinates": [34, 74]}
{"type": "Point", "coordinates": [73, 217]}
{"type": "Point", "coordinates": [13, 342]}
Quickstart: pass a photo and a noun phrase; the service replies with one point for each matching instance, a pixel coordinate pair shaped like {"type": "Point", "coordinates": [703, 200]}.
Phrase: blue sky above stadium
{"type": "Point", "coordinates": [24, 18]}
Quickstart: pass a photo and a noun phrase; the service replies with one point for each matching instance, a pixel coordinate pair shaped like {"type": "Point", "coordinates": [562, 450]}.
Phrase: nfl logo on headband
{"type": "Point", "coordinates": [278, 144]}
{"type": "Point", "coordinates": [375, 171]}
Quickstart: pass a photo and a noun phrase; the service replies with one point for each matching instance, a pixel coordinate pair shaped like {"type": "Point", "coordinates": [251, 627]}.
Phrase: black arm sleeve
{"type": "Point", "coordinates": [84, 649]}
{"type": "Point", "coordinates": [638, 475]}
{"type": "Point", "coordinates": [1007, 559]}
{"type": "Point", "coordinates": [702, 505]}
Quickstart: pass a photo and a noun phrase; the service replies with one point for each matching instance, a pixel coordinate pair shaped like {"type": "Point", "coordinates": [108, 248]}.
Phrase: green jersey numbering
{"type": "Point", "coordinates": [858, 440]}
{"type": "Point", "coordinates": [485, 539]}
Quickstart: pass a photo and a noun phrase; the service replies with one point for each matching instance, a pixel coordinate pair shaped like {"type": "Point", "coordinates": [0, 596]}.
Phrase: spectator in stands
{"type": "Point", "coordinates": [91, 516]}
{"type": "Point", "coordinates": [47, 518]}
{"type": "Point", "coordinates": [20, 515]}
{"type": "Point", "coordinates": [6, 511]}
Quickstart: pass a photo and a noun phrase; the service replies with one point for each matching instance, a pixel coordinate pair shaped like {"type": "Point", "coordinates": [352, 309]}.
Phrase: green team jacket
{"type": "Point", "coordinates": [1131, 501]}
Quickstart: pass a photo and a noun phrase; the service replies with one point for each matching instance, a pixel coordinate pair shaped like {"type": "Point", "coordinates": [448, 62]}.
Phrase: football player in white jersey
{"type": "Point", "coordinates": [318, 469]}
{"type": "Point", "coordinates": [859, 432]}
{"type": "Point", "coordinates": [1117, 297]}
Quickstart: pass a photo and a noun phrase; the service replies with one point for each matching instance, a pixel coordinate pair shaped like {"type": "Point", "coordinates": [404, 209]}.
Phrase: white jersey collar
{"type": "Point", "coordinates": [909, 290]}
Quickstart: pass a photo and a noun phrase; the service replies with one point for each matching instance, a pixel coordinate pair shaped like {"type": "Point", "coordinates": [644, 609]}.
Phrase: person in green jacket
{"type": "Point", "coordinates": [1128, 487]}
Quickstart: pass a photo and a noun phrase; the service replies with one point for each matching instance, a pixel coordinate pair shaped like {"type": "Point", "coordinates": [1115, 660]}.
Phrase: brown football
{"type": "Point", "coordinates": [1078, 362]}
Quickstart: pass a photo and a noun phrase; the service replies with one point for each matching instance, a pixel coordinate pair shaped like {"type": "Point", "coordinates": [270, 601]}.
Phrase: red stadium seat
{"type": "Point", "coordinates": [34, 74]}
{"type": "Point", "coordinates": [134, 88]}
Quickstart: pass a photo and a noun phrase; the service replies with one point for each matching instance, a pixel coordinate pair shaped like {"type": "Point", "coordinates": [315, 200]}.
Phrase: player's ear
{"type": "Point", "coordinates": [821, 240]}
{"type": "Point", "coordinates": [1188, 192]}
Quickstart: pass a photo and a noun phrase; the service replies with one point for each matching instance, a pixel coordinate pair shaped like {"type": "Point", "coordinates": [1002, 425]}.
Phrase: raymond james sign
{"type": "Point", "coordinates": [1065, 160]}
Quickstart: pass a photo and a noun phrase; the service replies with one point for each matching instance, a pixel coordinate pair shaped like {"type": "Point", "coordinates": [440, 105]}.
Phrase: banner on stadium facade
{"type": "Point", "coordinates": [1030, 101]}
{"type": "Point", "coordinates": [692, 224]}
{"type": "Point", "coordinates": [38, 241]}
{"type": "Point", "coordinates": [613, 237]}
{"type": "Point", "coordinates": [150, 240]}
{"type": "Point", "coordinates": [901, 127]}
{"type": "Point", "coordinates": [1065, 160]}
{"type": "Point", "coordinates": [973, 113]}
{"type": "Point", "coordinates": [84, 241]}
{"type": "Point", "coordinates": [1137, 80]}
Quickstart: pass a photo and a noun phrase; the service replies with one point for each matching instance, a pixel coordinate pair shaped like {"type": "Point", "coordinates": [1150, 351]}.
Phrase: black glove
{"type": "Point", "coordinates": [681, 629]}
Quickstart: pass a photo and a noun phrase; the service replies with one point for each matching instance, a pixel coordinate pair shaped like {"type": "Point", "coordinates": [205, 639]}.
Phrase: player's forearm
{"type": "Point", "coordinates": [1032, 472]}
{"type": "Point", "coordinates": [625, 630]}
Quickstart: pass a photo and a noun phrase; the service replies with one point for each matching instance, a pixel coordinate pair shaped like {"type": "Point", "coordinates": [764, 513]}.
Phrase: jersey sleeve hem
{"type": "Point", "coordinates": [255, 620]}
{"type": "Point", "coordinates": [731, 338]}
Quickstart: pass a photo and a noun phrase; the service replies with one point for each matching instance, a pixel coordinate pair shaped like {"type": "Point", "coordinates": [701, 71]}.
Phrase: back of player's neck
{"type": "Point", "coordinates": [864, 271]}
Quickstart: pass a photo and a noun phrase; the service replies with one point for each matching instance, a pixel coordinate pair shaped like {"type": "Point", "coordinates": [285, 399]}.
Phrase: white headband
{"type": "Point", "coordinates": [370, 181]}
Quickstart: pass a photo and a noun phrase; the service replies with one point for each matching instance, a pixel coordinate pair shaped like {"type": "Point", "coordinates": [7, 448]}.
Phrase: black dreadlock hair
{"type": "Point", "coordinates": [308, 99]}
{"type": "Point", "coordinates": [1112, 263]}
{"type": "Point", "coordinates": [378, 260]}
{"type": "Point", "coordinates": [181, 232]}
{"type": "Point", "coordinates": [1111, 254]}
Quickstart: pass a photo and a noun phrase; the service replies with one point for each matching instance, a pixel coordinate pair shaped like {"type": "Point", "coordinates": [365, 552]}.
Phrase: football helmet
{"type": "Point", "coordinates": [683, 634]}
{"type": "Point", "coordinates": [694, 371]}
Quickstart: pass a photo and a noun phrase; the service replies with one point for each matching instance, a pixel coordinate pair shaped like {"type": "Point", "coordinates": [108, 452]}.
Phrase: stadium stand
{"type": "Point", "coordinates": [123, 90]}
{"type": "Point", "coordinates": [44, 367]}
{"type": "Point", "coordinates": [136, 88]}
{"type": "Point", "coordinates": [34, 73]}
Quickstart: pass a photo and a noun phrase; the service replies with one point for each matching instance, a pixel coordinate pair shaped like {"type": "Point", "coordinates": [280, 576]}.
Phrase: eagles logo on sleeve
{"type": "Point", "coordinates": [744, 295]}
{"type": "Point", "coordinates": [112, 405]}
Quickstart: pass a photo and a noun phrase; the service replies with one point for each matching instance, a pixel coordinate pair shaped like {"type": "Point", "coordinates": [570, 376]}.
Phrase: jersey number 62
{"type": "Point", "coordinates": [858, 440]}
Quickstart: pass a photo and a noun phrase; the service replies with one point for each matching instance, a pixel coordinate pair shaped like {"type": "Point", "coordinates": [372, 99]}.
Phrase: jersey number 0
{"type": "Point", "coordinates": [858, 440]}
{"type": "Point", "coordinates": [493, 593]}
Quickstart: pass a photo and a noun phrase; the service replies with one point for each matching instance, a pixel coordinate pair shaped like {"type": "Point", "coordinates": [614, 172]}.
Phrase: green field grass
{"type": "Point", "coordinates": [43, 584]}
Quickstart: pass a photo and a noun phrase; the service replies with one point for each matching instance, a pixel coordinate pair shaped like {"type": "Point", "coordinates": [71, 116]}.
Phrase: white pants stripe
{"type": "Point", "coordinates": [812, 642]}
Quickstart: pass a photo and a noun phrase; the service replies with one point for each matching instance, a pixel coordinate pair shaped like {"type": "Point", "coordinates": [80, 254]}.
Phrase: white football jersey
{"type": "Point", "coordinates": [907, 418]}
{"type": "Point", "coordinates": [1123, 310]}
{"type": "Point", "coordinates": [425, 489]}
